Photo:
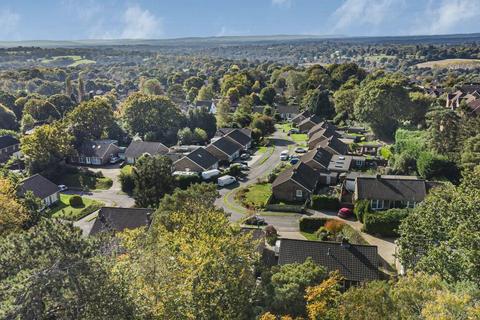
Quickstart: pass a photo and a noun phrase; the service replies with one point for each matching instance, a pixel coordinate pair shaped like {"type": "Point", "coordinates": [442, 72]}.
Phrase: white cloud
{"type": "Point", "coordinates": [447, 16]}
{"type": "Point", "coordinates": [355, 13]}
{"type": "Point", "coordinates": [282, 3]}
{"type": "Point", "coordinates": [9, 21]}
{"type": "Point", "coordinates": [140, 23]}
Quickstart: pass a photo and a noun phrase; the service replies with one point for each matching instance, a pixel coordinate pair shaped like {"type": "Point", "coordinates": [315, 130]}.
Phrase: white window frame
{"type": "Point", "coordinates": [299, 193]}
{"type": "Point", "coordinates": [377, 204]}
{"type": "Point", "coordinates": [411, 204]}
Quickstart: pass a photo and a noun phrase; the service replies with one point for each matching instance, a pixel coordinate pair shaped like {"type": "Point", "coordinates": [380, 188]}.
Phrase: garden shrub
{"type": "Point", "coordinates": [183, 182]}
{"type": "Point", "coordinates": [362, 207]}
{"type": "Point", "coordinates": [76, 201]}
{"type": "Point", "coordinates": [311, 224]}
{"type": "Point", "coordinates": [384, 223]}
{"type": "Point", "coordinates": [324, 202]}
{"type": "Point", "coordinates": [127, 182]}
{"type": "Point", "coordinates": [271, 235]}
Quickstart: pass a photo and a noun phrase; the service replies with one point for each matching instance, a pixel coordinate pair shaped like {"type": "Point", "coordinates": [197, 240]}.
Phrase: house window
{"type": "Point", "coordinates": [411, 204]}
{"type": "Point", "coordinates": [299, 193]}
{"type": "Point", "coordinates": [377, 204]}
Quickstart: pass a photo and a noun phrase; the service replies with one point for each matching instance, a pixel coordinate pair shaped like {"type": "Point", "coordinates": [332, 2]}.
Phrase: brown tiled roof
{"type": "Point", "coordinates": [301, 174]}
{"type": "Point", "coordinates": [320, 156]}
{"type": "Point", "coordinates": [335, 144]}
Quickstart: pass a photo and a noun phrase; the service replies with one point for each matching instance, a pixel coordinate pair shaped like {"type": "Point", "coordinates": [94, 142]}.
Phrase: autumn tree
{"type": "Point", "coordinates": [12, 213]}
{"type": "Point", "coordinates": [8, 120]}
{"type": "Point", "coordinates": [322, 299]}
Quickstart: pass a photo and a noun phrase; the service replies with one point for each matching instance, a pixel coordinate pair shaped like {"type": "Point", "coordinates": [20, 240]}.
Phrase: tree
{"type": "Point", "coordinates": [470, 157]}
{"type": "Point", "coordinates": [431, 166]}
{"type": "Point", "coordinates": [192, 94]}
{"type": "Point", "coordinates": [200, 269]}
{"type": "Point", "coordinates": [289, 284]}
{"type": "Point", "coordinates": [419, 107]}
{"type": "Point", "coordinates": [91, 120]}
{"type": "Point", "coordinates": [53, 272]}
{"type": "Point", "coordinates": [46, 147]}
{"type": "Point", "coordinates": [318, 102]}
{"type": "Point", "coordinates": [7, 119]}
{"type": "Point", "coordinates": [12, 213]}
{"type": "Point", "coordinates": [345, 101]}
{"type": "Point", "coordinates": [203, 119]}
{"type": "Point", "coordinates": [176, 93]}
{"type": "Point", "coordinates": [34, 207]}
{"type": "Point", "coordinates": [156, 115]}
{"type": "Point", "coordinates": [193, 82]}
{"type": "Point", "coordinates": [185, 136]}
{"type": "Point", "coordinates": [81, 89]}
{"type": "Point", "coordinates": [382, 103]}
{"type": "Point", "coordinates": [341, 73]}
{"type": "Point", "coordinates": [267, 95]}
{"type": "Point", "coordinates": [68, 86]}
{"type": "Point", "coordinates": [199, 135]}
{"type": "Point", "coordinates": [322, 299]}
{"type": "Point", "coordinates": [444, 128]}
{"type": "Point", "coordinates": [62, 103]}
{"type": "Point", "coordinates": [205, 93]}
{"type": "Point", "coordinates": [440, 235]}
{"type": "Point", "coordinates": [151, 86]}
{"type": "Point", "coordinates": [41, 110]}
{"type": "Point", "coordinates": [153, 179]}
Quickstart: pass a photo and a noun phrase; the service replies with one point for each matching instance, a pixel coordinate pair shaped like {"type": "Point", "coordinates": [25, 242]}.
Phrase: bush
{"type": "Point", "coordinates": [183, 182]}
{"type": "Point", "coordinates": [271, 235]}
{"type": "Point", "coordinates": [384, 223]}
{"type": "Point", "coordinates": [76, 201]}
{"type": "Point", "coordinates": [362, 207]}
{"type": "Point", "coordinates": [431, 166]}
{"type": "Point", "coordinates": [127, 182]}
{"type": "Point", "coordinates": [311, 224]}
{"type": "Point", "coordinates": [324, 202]}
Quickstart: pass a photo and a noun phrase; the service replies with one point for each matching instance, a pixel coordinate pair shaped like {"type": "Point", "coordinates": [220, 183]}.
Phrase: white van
{"type": "Point", "coordinates": [284, 155]}
{"type": "Point", "coordinates": [206, 175]}
{"type": "Point", "coordinates": [226, 180]}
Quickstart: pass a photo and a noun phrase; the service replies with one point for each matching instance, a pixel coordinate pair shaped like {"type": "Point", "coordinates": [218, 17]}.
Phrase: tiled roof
{"type": "Point", "coordinates": [39, 185]}
{"type": "Point", "coordinates": [354, 262]}
{"type": "Point", "coordinates": [202, 157]}
{"type": "Point", "coordinates": [226, 145]}
{"type": "Point", "coordinates": [96, 148]}
{"type": "Point", "coordinates": [300, 173]}
{"type": "Point", "coordinates": [395, 188]}
{"type": "Point", "coordinates": [119, 219]}
{"type": "Point", "coordinates": [315, 119]}
{"type": "Point", "coordinates": [287, 109]}
{"type": "Point", "coordinates": [319, 155]}
{"type": "Point", "coordinates": [335, 144]}
{"type": "Point", "coordinates": [137, 148]}
{"type": "Point", "coordinates": [239, 136]}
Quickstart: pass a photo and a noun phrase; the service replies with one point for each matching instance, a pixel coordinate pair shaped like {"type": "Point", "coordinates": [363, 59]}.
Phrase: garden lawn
{"type": "Point", "coordinates": [284, 126]}
{"type": "Point", "coordinates": [64, 210]}
{"type": "Point", "coordinates": [257, 195]}
{"type": "Point", "coordinates": [73, 180]}
{"type": "Point", "coordinates": [299, 138]}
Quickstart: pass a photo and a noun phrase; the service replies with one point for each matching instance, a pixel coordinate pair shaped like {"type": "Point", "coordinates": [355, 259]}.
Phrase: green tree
{"type": "Point", "coordinates": [431, 166]}
{"type": "Point", "coordinates": [62, 103]}
{"type": "Point", "coordinates": [267, 95]}
{"type": "Point", "coordinates": [318, 102]}
{"type": "Point", "coordinates": [193, 82]}
{"type": "Point", "coordinates": [288, 286]}
{"type": "Point", "coordinates": [202, 118]}
{"type": "Point", "coordinates": [470, 157]}
{"type": "Point", "coordinates": [153, 179]}
{"type": "Point", "coordinates": [185, 136]}
{"type": "Point", "coordinates": [41, 110]}
{"type": "Point", "coordinates": [46, 147]}
{"type": "Point", "coordinates": [81, 89]}
{"type": "Point", "coordinates": [206, 93]}
{"type": "Point", "coordinates": [419, 107]}
{"type": "Point", "coordinates": [8, 120]}
{"type": "Point", "coordinates": [151, 86]}
{"type": "Point", "coordinates": [444, 128]}
{"type": "Point", "coordinates": [91, 120]}
{"type": "Point", "coordinates": [156, 115]}
{"type": "Point", "coordinates": [176, 93]}
{"type": "Point", "coordinates": [440, 236]}
{"type": "Point", "coordinates": [53, 272]}
{"type": "Point", "coordinates": [345, 101]}
{"type": "Point", "coordinates": [199, 135]}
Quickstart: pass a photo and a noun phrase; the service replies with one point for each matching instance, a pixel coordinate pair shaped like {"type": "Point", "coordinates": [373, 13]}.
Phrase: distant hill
{"type": "Point", "coordinates": [232, 40]}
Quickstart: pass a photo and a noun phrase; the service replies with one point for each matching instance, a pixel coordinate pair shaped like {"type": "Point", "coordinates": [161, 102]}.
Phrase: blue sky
{"type": "Point", "coordinates": [107, 19]}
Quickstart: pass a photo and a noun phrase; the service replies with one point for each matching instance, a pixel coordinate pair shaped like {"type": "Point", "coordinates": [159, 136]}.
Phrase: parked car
{"type": "Point", "coordinates": [255, 221]}
{"type": "Point", "coordinates": [244, 167]}
{"type": "Point", "coordinates": [294, 130]}
{"type": "Point", "coordinates": [284, 155]}
{"type": "Point", "coordinates": [345, 213]}
{"type": "Point", "coordinates": [300, 150]}
{"type": "Point", "coordinates": [245, 156]}
{"type": "Point", "coordinates": [226, 180]}
{"type": "Point", "coordinates": [114, 160]}
{"type": "Point", "coordinates": [206, 175]}
{"type": "Point", "coordinates": [294, 160]}
{"type": "Point", "coordinates": [62, 187]}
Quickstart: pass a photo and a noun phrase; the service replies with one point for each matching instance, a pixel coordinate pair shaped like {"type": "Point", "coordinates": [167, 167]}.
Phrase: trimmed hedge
{"type": "Point", "coordinates": [384, 223]}
{"type": "Point", "coordinates": [311, 224]}
{"type": "Point", "coordinates": [324, 202]}
{"type": "Point", "coordinates": [76, 201]}
{"type": "Point", "coordinates": [361, 209]}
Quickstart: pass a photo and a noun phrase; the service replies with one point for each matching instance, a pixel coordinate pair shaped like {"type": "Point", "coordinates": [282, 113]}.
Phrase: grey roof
{"type": "Point", "coordinates": [96, 148]}
{"type": "Point", "coordinates": [354, 262]}
{"type": "Point", "coordinates": [39, 185]}
{"type": "Point", "coordinates": [301, 174]}
{"type": "Point", "coordinates": [315, 119]}
{"type": "Point", "coordinates": [395, 188]}
{"type": "Point", "coordinates": [335, 144]}
{"type": "Point", "coordinates": [301, 115]}
{"type": "Point", "coordinates": [340, 163]}
{"type": "Point", "coordinates": [119, 219]}
{"type": "Point", "coordinates": [224, 131]}
{"type": "Point", "coordinates": [287, 109]}
{"type": "Point", "coordinates": [319, 126]}
{"type": "Point", "coordinates": [239, 136]}
{"type": "Point", "coordinates": [137, 148]}
{"type": "Point", "coordinates": [226, 145]}
{"type": "Point", "coordinates": [7, 141]}
{"type": "Point", "coordinates": [202, 157]}
{"type": "Point", "coordinates": [320, 156]}
{"type": "Point", "coordinates": [327, 132]}
{"type": "Point", "coordinates": [203, 103]}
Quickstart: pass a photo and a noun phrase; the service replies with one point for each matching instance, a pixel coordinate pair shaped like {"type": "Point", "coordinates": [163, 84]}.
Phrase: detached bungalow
{"type": "Point", "coordinates": [9, 146]}
{"type": "Point", "coordinates": [295, 184]}
{"type": "Point", "coordinates": [138, 148]}
{"type": "Point", "coordinates": [198, 160]}
{"type": "Point", "coordinates": [111, 219]}
{"type": "Point", "coordinates": [41, 188]}
{"type": "Point", "coordinates": [309, 123]}
{"type": "Point", "coordinates": [287, 112]}
{"type": "Point", "coordinates": [356, 263]}
{"type": "Point", "coordinates": [225, 149]}
{"type": "Point", "coordinates": [389, 191]}
{"type": "Point", "coordinates": [98, 152]}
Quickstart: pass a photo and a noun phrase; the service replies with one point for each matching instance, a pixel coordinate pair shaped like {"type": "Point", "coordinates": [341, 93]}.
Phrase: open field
{"type": "Point", "coordinates": [451, 64]}
{"type": "Point", "coordinates": [71, 61]}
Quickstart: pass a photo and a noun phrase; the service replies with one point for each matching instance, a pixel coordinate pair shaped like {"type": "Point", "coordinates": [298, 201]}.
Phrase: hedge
{"type": "Point", "coordinates": [311, 224]}
{"type": "Point", "coordinates": [362, 207]}
{"type": "Point", "coordinates": [324, 202]}
{"type": "Point", "coordinates": [76, 201]}
{"type": "Point", "coordinates": [384, 223]}
{"type": "Point", "coordinates": [183, 182]}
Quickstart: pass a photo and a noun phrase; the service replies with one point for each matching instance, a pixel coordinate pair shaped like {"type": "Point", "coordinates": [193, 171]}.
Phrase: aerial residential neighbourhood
{"type": "Point", "coordinates": [221, 160]}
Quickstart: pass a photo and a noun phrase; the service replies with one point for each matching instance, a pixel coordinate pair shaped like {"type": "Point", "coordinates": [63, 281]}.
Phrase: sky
{"type": "Point", "coordinates": [157, 19]}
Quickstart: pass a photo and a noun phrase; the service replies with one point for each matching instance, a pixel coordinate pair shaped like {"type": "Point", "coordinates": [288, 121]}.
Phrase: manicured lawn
{"type": "Point", "coordinates": [257, 195]}
{"type": "Point", "coordinates": [74, 180]}
{"type": "Point", "coordinates": [284, 126]}
{"type": "Point", "coordinates": [299, 138]}
{"type": "Point", "coordinates": [309, 236]}
{"type": "Point", "coordinates": [64, 210]}
{"type": "Point", "coordinates": [262, 149]}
